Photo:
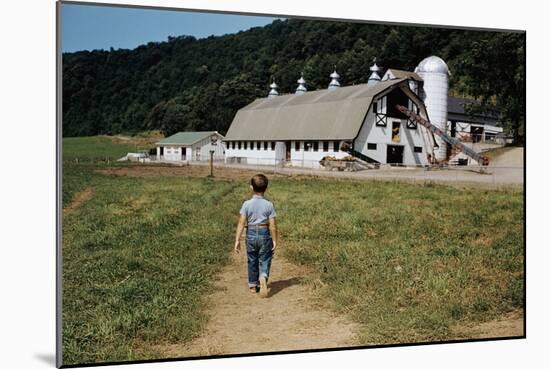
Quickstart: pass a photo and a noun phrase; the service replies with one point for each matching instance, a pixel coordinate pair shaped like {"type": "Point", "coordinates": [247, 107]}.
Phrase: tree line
{"type": "Point", "coordinates": [186, 83]}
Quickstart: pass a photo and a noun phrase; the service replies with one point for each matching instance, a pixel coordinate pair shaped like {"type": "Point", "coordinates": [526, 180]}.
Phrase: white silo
{"type": "Point", "coordinates": [435, 73]}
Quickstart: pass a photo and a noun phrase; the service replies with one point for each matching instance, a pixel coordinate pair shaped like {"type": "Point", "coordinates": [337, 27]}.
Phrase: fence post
{"type": "Point", "coordinates": [425, 174]}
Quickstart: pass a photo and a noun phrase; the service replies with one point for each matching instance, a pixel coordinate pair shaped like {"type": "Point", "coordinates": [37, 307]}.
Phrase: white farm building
{"type": "Point", "coordinates": [191, 146]}
{"type": "Point", "coordinates": [300, 129]}
{"type": "Point", "coordinates": [472, 127]}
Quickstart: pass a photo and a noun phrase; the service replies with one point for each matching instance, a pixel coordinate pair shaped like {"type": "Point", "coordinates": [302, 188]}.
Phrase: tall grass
{"type": "Point", "coordinates": [406, 261]}
{"type": "Point", "coordinates": [137, 259]}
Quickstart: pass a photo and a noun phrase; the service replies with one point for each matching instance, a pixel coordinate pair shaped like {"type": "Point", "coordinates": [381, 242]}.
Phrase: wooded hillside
{"type": "Point", "coordinates": [198, 84]}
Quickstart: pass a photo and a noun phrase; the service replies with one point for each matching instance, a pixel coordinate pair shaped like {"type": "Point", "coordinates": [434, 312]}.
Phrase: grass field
{"type": "Point", "coordinates": [82, 154]}
{"type": "Point", "coordinates": [95, 148]}
{"type": "Point", "coordinates": [137, 258]}
{"type": "Point", "coordinates": [406, 261]}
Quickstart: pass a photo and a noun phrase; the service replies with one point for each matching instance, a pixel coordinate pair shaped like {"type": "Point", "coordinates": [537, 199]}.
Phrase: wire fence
{"type": "Point", "coordinates": [495, 175]}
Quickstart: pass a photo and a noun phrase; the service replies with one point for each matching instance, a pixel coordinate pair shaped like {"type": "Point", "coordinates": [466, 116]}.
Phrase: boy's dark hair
{"type": "Point", "coordinates": [259, 183]}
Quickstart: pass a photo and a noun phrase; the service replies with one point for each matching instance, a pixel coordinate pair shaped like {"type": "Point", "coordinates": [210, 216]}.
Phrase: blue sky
{"type": "Point", "coordinates": [86, 27]}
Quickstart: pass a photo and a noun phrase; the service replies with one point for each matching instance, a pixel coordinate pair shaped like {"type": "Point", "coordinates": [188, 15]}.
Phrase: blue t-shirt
{"type": "Point", "coordinates": [258, 210]}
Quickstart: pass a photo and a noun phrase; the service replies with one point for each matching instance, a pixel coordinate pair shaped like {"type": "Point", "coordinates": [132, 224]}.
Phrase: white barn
{"type": "Point", "coordinates": [191, 146]}
{"type": "Point", "coordinates": [300, 129]}
{"type": "Point", "coordinates": [477, 127]}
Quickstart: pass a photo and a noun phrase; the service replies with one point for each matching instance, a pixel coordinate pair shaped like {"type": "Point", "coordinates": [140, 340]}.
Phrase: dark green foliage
{"type": "Point", "coordinates": [190, 84]}
{"type": "Point", "coordinates": [502, 86]}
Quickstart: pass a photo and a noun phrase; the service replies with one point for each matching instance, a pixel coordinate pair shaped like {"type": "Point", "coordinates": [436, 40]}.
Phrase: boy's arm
{"type": "Point", "coordinates": [240, 227]}
{"type": "Point", "coordinates": [273, 232]}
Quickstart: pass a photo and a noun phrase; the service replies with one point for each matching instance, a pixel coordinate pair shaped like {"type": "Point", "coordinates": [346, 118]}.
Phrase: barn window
{"type": "Point", "coordinates": [307, 145]}
{"type": "Point", "coordinates": [315, 145]}
{"type": "Point", "coordinates": [239, 144]}
{"type": "Point", "coordinates": [381, 120]}
{"type": "Point", "coordinates": [252, 145]}
{"type": "Point", "coordinates": [394, 98]}
{"type": "Point", "coordinates": [272, 145]}
{"type": "Point", "coordinates": [233, 145]}
{"type": "Point", "coordinates": [265, 145]}
{"type": "Point", "coordinates": [396, 132]}
{"type": "Point", "coordinates": [410, 123]}
{"type": "Point", "coordinates": [336, 146]}
{"type": "Point", "coordinates": [246, 145]}
{"type": "Point", "coordinates": [325, 146]}
{"type": "Point", "coordinates": [371, 146]}
{"type": "Point", "coordinates": [418, 149]}
{"type": "Point", "coordinates": [297, 145]}
{"type": "Point", "coordinates": [258, 145]}
{"type": "Point", "coordinates": [380, 116]}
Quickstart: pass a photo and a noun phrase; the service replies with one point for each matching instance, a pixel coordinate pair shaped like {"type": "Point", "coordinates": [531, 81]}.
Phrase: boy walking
{"type": "Point", "coordinates": [258, 216]}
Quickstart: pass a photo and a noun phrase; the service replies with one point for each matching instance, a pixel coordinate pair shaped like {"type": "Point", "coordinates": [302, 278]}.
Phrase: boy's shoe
{"type": "Point", "coordinates": [253, 289]}
{"type": "Point", "coordinates": [263, 287]}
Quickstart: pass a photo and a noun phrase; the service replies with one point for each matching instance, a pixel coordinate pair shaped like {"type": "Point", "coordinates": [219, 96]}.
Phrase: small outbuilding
{"type": "Point", "coordinates": [475, 127]}
{"type": "Point", "coordinates": [191, 146]}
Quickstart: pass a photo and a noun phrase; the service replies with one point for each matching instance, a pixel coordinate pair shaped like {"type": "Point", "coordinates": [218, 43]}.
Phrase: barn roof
{"type": "Point", "coordinates": [323, 114]}
{"type": "Point", "coordinates": [456, 107]}
{"type": "Point", "coordinates": [186, 138]}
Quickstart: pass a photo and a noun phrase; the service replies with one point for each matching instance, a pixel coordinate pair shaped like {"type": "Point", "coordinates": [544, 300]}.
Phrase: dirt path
{"type": "Point", "coordinates": [508, 325]}
{"type": "Point", "coordinates": [242, 322]}
{"type": "Point", "coordinates": [509, 175]}
{"type": "Point", "coordinates": [78, 199]}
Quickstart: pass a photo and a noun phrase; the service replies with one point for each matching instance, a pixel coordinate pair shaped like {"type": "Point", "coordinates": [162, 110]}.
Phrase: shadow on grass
{"type": "Point", "coordinates": [277, 286]}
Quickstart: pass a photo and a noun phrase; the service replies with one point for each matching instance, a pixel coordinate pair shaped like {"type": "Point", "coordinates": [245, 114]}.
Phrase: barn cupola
{"type": "Point", "coordinates": [334, 84]}
{"type": "Point", "coordinates": [301, 89]}
{"type": "Point", "coordinates": [374, 77]}
{"type": "Point", "coordinates": [273, 92]}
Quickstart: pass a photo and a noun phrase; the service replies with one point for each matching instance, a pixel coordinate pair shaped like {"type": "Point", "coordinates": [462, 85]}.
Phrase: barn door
{"type": "Point", "coordinates": [394, 154]}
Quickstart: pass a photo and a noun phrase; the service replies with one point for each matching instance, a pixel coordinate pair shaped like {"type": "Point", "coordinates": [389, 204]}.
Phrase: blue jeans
{"type": "Point", "coordinates": [258, 250]}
